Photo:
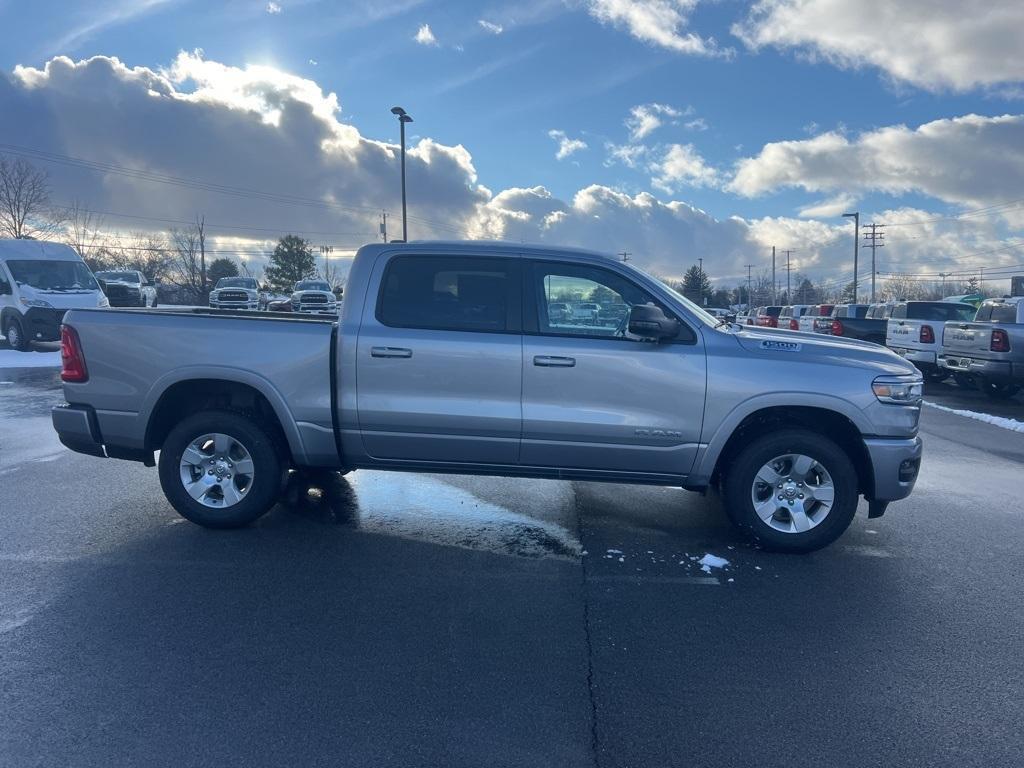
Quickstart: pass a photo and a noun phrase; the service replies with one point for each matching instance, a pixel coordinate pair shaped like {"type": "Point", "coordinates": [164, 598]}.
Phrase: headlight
{"type": "Point", "coordinates": [103, 302]}
{"type": "Point", "coordinates": [36, 303]}
{"type": "Point", "coordinates": [898, 390]}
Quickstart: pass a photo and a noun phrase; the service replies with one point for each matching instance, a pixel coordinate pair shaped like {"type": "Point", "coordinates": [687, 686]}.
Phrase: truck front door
{"type": "Point", "coordinates": [596, 399]}
{"type": "Point", "coordinates": [439, 367]}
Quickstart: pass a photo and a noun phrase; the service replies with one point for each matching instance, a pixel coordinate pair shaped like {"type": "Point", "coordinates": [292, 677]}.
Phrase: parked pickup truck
{"type": "Point", "coordinates": [914, 332]}
{"type": "Point", "coordinates": [853, 321]}
{"type": "Point", "coordinates": [989, 350]}
{"type": "Point", "coordinates": [445, 359]}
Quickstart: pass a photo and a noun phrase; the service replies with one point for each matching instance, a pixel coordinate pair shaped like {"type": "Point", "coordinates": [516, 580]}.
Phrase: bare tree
{"type": "Point", "coordinates": [25, 210]}
{"type": "Point", "coordinates": [83, 233]}
{"type": "Point", "coordinates": [188, 269]}
{"type": "Point", "coordinates": [901, 287]}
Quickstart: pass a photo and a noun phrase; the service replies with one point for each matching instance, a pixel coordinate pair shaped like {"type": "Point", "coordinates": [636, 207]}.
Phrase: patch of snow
{"type": "Point", "coordinates": [710, 561]}
{"type": "Point", "coordinates": [997, 421]}
{"type": "Point", "coordinates": [614, 551]}
{"type": "Point", "coordinates": [12, 358]}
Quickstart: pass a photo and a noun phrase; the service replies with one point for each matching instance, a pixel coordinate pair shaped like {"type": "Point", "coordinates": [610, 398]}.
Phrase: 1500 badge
{"type": "Point", "coordinates": [642, 432]}
{"type": "Point", "coordinates": [781, 346]}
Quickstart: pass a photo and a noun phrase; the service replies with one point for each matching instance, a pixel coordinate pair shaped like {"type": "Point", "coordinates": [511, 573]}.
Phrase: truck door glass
{"type": "Point", "coordinates": [5, 287]}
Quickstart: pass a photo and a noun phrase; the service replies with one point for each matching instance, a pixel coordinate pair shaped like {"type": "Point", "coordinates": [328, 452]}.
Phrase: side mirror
{"type": "Point", "coordinates": [648, 322]}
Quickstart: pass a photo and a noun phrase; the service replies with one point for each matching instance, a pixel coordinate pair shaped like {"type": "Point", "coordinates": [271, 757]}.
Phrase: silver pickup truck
{"type": "Point", "coordinates": [446, 359]}
{"type": "Point", "coordinates": [989, 350]}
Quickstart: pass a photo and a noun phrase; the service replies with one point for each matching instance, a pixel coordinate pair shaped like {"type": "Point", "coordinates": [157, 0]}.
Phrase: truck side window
{"type": "Point", "coordinates": [5, 287]}
{"type": "Point", "coordinates": [450, 293]}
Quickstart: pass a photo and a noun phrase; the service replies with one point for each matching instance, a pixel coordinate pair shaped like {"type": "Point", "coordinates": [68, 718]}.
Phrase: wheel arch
{"type": "Point", "coordinates": [830, 423]}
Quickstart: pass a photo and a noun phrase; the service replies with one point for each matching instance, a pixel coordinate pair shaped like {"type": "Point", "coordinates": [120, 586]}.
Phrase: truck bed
{"type": "Point", "coordinates": [134, 359]}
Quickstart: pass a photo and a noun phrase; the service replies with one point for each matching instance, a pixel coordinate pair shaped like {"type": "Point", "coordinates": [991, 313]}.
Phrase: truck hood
{"type": "Point", "coordinates": [818, 347]}
{"type": "Point", "coordinates": [78, 298]}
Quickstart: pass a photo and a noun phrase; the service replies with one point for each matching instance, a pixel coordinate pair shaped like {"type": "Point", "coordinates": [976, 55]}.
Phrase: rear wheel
{"type": "Point", "coordinates": [935, 375]}
{"type": "Point", "coordinates": [964, 380]}
{"type": "Point", "coordinates": [220, 469]}
{"type": "Point", "coordinates": [999, 390]}
{"type": "Point", "coordinates": [16, 336]}
{"type": "Point", "coordinates": [793, 491]}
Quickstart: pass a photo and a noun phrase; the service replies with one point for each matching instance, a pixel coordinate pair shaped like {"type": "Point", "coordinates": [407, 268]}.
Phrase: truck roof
{"type": "Point", "coordinates": [496, 247]}
{"type": "Point", "coordinates": [36, 249]}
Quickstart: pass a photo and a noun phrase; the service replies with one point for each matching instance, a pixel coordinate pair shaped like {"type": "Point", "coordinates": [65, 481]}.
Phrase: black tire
{"type": "Point", "coordinates": [964, 380]}
{"type": "Point", "coordinates": [998, 390]}
{"type": "Point", "coordinates": [16, 336]}
{"type": "Point", "coordinates": [935, 375]}
{"type": "Point", "coordinates": [742, 472]}
{"type": "Point", "coordinates": [267, 475]}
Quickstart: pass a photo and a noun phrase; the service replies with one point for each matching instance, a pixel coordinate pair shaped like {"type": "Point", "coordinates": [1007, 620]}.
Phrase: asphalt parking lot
{"type": "Point", "coordinates": [383, 619]}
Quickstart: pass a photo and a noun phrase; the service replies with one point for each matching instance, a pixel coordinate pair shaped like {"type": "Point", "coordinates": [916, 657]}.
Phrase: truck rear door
{"type": "Point", "coordinates": [439, 360]}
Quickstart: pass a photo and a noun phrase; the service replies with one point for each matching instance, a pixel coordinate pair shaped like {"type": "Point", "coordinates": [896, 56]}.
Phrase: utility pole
{"type": "Point", "coordinates": [201, 229]}
{"type": "Point", "coordinates": [981, 282]}
{"type": "Point", "coordinates": [789, 289]}
{"type": "Point", "coordinates": [625, 256]}
{"type": "Point", "coordinates": [856, 247]}
{"type": "Point", "coordinates": [773, 275]}
{"type": "Point", "coordinates": [403, 118]}
{"type": "Point", "coordinates": [749, 299]}
{"type": "Point", "coordinates": [874, 240]}
{"type": "Point", "coordinates": [384, 225]}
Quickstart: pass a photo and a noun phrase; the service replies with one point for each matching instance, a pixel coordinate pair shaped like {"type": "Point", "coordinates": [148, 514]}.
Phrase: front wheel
{"type": "Point", "coordinates": [792, 490]}
{"type": "Point", "coordinates": [16, 335]}
{"type": "Point", "coordinates": [220, 469]}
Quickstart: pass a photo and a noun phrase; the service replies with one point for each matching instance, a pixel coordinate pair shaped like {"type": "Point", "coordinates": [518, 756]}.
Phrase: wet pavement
{"type": "Point", "coordinates": [383, 619]}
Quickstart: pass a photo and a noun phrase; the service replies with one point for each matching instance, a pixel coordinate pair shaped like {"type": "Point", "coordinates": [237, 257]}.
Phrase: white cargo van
{"type": "Point", "coordinates": [39, 282]}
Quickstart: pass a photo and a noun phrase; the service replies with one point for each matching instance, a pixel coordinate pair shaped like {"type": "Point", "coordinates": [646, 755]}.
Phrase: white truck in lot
{"type": "Point", "coordinates": [989, 350]}
{"type": "Point", "coordinates": [914, 332]}
{"type": "Point", "coordinates": [39, 282]}
{"type": "Point", "coordinates": [314, 297]}
{"type": "Point", "coordinates": [236, 293]}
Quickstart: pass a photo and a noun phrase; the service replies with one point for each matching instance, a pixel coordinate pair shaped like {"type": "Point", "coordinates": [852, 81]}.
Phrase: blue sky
{"type": "Point", "coordinates": [580, 68]}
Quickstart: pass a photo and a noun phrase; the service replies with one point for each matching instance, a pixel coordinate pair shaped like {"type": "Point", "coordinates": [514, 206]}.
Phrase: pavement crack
{"type": "Point", "coordinates": [595, 741]}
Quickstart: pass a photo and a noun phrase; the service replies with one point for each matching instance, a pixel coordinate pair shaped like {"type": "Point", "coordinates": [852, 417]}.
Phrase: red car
{"type": "Point", "coordinates": [769, 317]}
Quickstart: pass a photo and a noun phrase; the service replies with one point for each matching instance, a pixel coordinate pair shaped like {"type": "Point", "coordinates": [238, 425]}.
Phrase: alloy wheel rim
{"type": "Point", "coordinates": [216, 470]}
{"type": "Point", "coordinates": [792, 493]}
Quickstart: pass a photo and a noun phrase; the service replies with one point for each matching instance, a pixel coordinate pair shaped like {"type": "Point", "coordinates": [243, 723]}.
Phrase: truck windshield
{"type": "Point", "coordinates": [312, 285]}
{"type": "Point", "coordinates": [121, 277]}
{"type": "Point", "coordinates": [237, 282]}
{"type": "Point", "coordinates": [53, 276]}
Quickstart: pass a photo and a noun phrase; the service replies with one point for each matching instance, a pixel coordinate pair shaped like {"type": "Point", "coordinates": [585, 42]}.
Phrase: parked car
{"type": "Point", "coordinates": [851, 321]}
{"type": "Point", "coordinates": [237, 293]}
{"type": "Point", "coordinates": [789, 317]}
{"type": "Point", "coordinates": [806, 322]}
{"type": "Point", "coordinates": [585, 312]}
{"type": "Point", "coordinates": [914, 332]}
{"type": "Point", "coordinates": [751, 317]}
{"type": "Point", "coordinates": [39, 282]}
{"type": "Point", "coordinates": [127, 288]}
{"type": "Point", "coordinates": [459, 369]}
{"type": "Point", "coordinates": [768, 317]}
{"type": "Point", "coordinates": [558, 312]}
{"type": "Point", "coordinates": [314, 297]}
{"type": "Point", "coordinates": [989, 350]}
{"type": "Point", "coordinates": [879, 311]}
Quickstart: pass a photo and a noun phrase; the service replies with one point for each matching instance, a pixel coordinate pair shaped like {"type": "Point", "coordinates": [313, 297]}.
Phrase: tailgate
{"type": "Point", "coordinates": [966, 337]}
{"type": "Point", "coordinates": [904, 333]}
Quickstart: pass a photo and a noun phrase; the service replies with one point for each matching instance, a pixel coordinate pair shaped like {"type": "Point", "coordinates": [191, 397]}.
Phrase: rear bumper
{"type": "Point", "coordinates": [917, 356]}
{"type": "Point", "coordinates": [895, 465]}
{"type": "Point", "coordinates": [993, 369]}
{"type": "Point", "coordinates": [77, 429]}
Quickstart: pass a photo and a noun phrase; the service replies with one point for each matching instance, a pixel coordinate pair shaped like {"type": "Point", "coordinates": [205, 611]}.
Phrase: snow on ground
{"type": "Point", "coordinates": [997, 421]}
{"type": "Point", "coordinates": [11, 358]}
{"type": "Point", "coordinates": [710, 561]}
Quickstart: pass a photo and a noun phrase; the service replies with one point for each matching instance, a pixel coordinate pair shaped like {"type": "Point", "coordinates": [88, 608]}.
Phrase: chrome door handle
{"type": "Point", "coordinates": [390, 352]}
{"type": "Point", "coordinates": [549, 361]}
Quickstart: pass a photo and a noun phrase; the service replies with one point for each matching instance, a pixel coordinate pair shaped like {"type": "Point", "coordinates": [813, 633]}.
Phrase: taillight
{"type": "Point", "coordinates": [773, 322]}
{"type": "Point", "coordinates": [1000, 341]}
{"type": "Point", "coordinates": [72, 360]}
{"type": "Point", "coordinates": [927, 335]}
{"type": "Point", "coordinates": [794, 324]}
{"type": "Point", "coordinates": [837, 328]}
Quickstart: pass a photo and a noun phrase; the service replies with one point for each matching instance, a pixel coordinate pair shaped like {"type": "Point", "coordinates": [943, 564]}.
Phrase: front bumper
{"type": "Point", "coordinates": [1002, 370]}
{"type": "Point", "coordinates": [895, 464]}
{"type": "Point", "coordinates": [43, 323]}
{"type": "Point", "coordinates": [234, 304]}
{"type": "Point", "coordinates": [317, 309]}
{"type": "Point", "coordinates": [126, 300]}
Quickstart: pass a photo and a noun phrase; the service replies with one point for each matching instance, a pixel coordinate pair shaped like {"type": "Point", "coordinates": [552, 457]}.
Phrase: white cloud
{"type": "Point", "coordinates": [490, 26]}
{"type": "Point", "coordinates": [969, 160]}
{"type": "Point", "coordinates": [657, 22]}
{"type": "Point", "coordinates": [627, 154]}
{"type": "Point", "coordinates": [682, 165]}
{"type": "Point", "coordinates": [934, 44]}
{"type": "Point", "coordinates": [830, 208]}
{"type": "Point", "coordinates": [697, 124]}
{"type": "Point", "coordinates": [273, 8]}
{"type": "Point", "coordinates": [425, 35]}
{"type": "Point", "coordinates": [644, 119]}
{"type": "Point", "coordinates": [566, 146]}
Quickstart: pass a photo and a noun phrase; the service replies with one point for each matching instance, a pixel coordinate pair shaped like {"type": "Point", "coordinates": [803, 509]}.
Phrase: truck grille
{"type": "Point", "coordinates": [239, 296]}
{"type": "Point", "coordinates": [314, 299]}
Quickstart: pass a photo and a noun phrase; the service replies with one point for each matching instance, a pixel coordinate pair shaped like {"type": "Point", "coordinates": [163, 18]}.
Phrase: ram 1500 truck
{"type": "Point", "coordinates": [446, 358]}
{"type": "Point", "coordinates": [990, 350]}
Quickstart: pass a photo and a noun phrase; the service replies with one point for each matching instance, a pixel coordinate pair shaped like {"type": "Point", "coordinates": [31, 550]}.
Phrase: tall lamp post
{"type": "Point", "coordinates": [856, 247]}
{"type": "Point", "coordinates": [403, 118]}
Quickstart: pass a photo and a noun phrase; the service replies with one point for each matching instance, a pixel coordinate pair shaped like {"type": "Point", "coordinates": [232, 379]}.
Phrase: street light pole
{"type": "Point", "coordinates": [944, 275]}
{"type": "Point", "coordinates": [856, 248]}
{"type": "Point", "coordinates": [403, 118]}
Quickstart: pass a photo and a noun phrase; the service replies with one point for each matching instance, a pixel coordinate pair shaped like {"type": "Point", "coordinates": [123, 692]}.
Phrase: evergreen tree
{"type": "Point", "coordinates": [291, 261]}
{"type": "Point", "coordinates": [696, 284]}
{"type": "Point", "coordinates": [221, 268]}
